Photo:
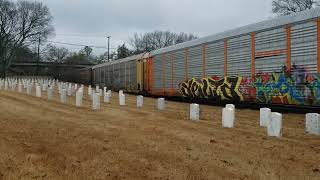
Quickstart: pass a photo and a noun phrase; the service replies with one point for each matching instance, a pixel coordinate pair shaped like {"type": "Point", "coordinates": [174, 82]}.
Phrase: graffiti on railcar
{"type": "Point", "coordinates": [210, 88]}
{"type": "Point", "coordinates": [297, 86]}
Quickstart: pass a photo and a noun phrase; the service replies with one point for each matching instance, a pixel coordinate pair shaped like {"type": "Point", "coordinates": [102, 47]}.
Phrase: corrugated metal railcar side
{"type": "Point", "coordinates": [275, 61]}
{"type": "Point", "coordinates": [120, 74]}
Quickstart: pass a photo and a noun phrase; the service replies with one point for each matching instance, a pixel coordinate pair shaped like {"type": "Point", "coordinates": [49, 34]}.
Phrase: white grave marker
{"type": "Point", "coordinates": [89, 90]}
{"type": "Point", "coordinates": [161, 105]}
{"type": "Point", "coordinates": [140, 101]}
{"type": "Point", "coordinates": [6, 85]}
{"type": "Point", "coordinates": [110, 93]}
{"type": "Point", "coordinates": [274, 127]}
{"type": "Point", "coordinates": [313, 123]}
{"type": "Point", "coordinates": [265, 116]}
{"type": "Point", "coordinates": [122, 99]}
{"type": "Point", "coordinates": [231, 106]}
{"type": "Point", "coordinates": [44, 87]}
{"type": "Point", "coordinates": [96, 101]}
{"type": "Point", "coordinates": [29, 89]}
{"type": "Point", "coordinates": [19, 87]}
{"type": "Point", "coordinates": [228, 117]}
{"type": "Point", "coordinates": [63, 96]}
{"type": "Point", "coordinates": [69, 90]}
{"type": "Point", "coordinates": [50, 93]}
{"type": "Point", "coordinates": [79, 98]}
{"type": "Point", "coordinates": [38, 91]}
{"type": "Point", "coordinates": [194, 112]}
{"type": "Point", "coordinates": [100, 92]}
{"type": "Point", "coordinates": [106, 98]}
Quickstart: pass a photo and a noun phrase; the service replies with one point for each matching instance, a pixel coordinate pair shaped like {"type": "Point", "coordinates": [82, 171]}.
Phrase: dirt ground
{"type": "Point", "coordinates": [42, 139]}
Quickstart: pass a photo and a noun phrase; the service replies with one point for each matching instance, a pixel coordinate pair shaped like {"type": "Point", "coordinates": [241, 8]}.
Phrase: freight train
{"type": "Point", "coordinates": [271, 62]}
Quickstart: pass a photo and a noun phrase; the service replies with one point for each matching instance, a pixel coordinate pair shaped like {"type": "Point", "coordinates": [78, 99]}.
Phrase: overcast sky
{"type": "Point", "coordinates": [121, 18]}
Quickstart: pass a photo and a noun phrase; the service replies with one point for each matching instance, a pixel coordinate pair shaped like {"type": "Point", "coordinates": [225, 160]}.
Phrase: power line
{"type": "Point", "coordinates": [82, 45]}
{"type": "Point", "coordinates": [78, 35]}
{"type": "Point", "coordinates": [72, 44]}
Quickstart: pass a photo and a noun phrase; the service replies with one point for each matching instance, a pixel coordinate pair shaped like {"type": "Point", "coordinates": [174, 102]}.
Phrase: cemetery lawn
{"type": "Point", "coordinates": [42, 139]}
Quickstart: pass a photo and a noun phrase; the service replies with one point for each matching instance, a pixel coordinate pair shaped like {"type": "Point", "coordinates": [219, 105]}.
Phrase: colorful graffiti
{"type": "Point", "coordinates": [223, 89]}
{"type": "Point", "coordinates": [295, 87]}
{"type": "Point", "coordinates": [298, 87]}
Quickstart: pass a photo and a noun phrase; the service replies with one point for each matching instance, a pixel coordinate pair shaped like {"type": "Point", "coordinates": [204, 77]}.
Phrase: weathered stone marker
{"type": "Point", "coordinates": [313, 123]}
{"type": "Point", "coordinates": [38, 91]}
{"type": "Point", "coordinates": [96, 101]}
{"type": "Point", "coordinates": [19, 87]}
{"type": "Point", "coordinates": [69, 90]}
{"type": "Point", "coordinates": [44, 87]}
{"type": "Point", "coordinates": [29, 89]}
{"type": "Point", "coordinates": [161, 105]}
{"type": "Point", "coordinates": [50, 93]}
{"type": "Point", "coordinates": [89, 90]}
{"type": "Point", "coordinates": [122, 99]}
{"type": "Point", "coordinates": [59, 88]}
{"type": "Point", "coordinates": [100, 92]}
{"type": "Point", "coordinates": [106, 98]}
{"type": "Point", "coordinates": [231, 106]}
{"type": "Point", "coordinates": [228, 116]}
{"type": "Point", "coordinates": [91, 95]}
{"type": "Point", "coordinates": [110, 93]}
{"type": "Point", "coordinates": [265, 116]}
{"type": "Point", "coordinates": [13, 86]}
{"type": "Point", "coordinates": [274, 127]}
{"type": "Point", "coordinates": [63, 96]}
{"type": "Point", "coordinates": [139, 101]}
{"type": "Point", "coordinates": [79, 98]}
{"type": "Point", "coordinates": [81, 90]}
{"type": "Point", "coordinates": [194, 112]}
{"type": "Point", "coordinates": [6, 85]}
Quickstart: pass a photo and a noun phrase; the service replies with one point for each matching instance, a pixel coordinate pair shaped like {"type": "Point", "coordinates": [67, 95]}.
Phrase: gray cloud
{"type": "Point", "coordinates": [121, 18]}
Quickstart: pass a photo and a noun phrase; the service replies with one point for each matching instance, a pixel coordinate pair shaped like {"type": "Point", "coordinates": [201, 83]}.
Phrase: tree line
{"type": "Point", "coordinates": [23, 23]}
{"type": "Point", "coordinates": [140, 43]}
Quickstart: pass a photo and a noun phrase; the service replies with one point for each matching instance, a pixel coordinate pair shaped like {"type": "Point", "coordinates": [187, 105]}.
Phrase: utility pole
{"type": "Point", "coordinates": [38, 58]}
{"type": "Point", "coordinates": [108, 48]}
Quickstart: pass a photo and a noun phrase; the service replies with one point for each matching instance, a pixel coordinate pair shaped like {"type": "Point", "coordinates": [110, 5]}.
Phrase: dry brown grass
{"type": "Point", "coordinates": [49, 140]}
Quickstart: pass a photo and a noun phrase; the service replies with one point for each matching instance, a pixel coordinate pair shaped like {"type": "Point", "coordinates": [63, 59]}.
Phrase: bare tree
{"type": "Point", "coordinates": [158, 39]}
{"type": "Point", "coordinates": [183, 37]}
{"type": "Point", "coordinates": [123, 52]}
{"type": "Point", "coordinates": [21, 23]}
{"type": "Point", "coordinates": [87, 51]}
{"type": "Point", "coordinates": [78, 58]}
{"type": "Point", "coordinates": [286, 7]}
{"type": "Point", "coordinates": [56, 54]}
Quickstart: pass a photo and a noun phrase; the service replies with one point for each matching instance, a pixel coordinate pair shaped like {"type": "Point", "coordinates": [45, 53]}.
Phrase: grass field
{"type": "Point", "coordinates": [42, 139]}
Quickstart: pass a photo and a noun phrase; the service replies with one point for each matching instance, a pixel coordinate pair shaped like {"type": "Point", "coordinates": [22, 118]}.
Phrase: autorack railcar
{"type": "Point", "coordinates": [275, 62]}
{"type": "Point", "coordinates": [124, 74]}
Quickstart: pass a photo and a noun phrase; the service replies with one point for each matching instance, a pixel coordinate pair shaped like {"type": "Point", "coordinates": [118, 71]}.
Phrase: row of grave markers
{"type": "Point", "coordinates": [271, 120]}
